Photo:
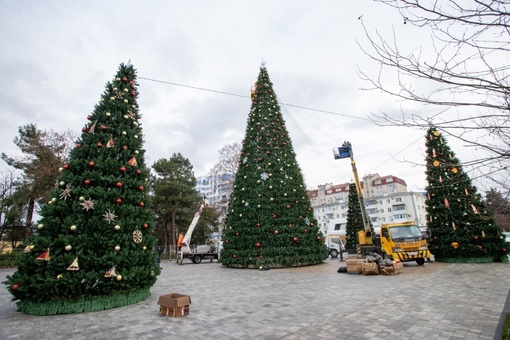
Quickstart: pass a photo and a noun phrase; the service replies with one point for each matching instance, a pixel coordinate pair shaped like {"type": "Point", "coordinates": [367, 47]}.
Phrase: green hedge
{"type": "Point", "coordinates": [9, 260]}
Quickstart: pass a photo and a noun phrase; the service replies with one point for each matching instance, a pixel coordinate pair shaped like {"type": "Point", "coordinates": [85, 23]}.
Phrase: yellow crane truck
{"type": "Point", "coordinates": [398, 241]}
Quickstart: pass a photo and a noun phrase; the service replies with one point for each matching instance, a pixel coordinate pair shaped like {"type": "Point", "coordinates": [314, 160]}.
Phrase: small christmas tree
{"type": "Point", "coordinates": [270, 220]}
{"type": "Point", "coordinates": [462, 228]}
{"type": "Point", "coordinates": [354, 219]}
{"type": "Point", "coordinates": [94, 246]}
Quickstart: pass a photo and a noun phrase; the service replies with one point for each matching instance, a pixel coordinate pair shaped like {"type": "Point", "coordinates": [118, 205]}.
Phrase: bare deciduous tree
{"type": "Point", "coordinates": [467, 71]}
{"type": "Point", "coordinates": [228, 161]}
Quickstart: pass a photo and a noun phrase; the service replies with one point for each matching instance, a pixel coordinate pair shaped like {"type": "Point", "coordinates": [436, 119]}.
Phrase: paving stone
{"type": "Point", "coordinates": [434, 301]}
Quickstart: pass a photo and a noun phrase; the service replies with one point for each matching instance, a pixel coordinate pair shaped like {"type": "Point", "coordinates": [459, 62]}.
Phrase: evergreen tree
{"type": "Point", "coordinates": [354, 219]}
{"type": "Point", "coordinates": [462, 228]}
{"type": "Point", "coordinates": [174, 195]}
{"type": "Point", "coordinates": [270, 220]}
{"type": "Point", "coordinates": [94, 247]}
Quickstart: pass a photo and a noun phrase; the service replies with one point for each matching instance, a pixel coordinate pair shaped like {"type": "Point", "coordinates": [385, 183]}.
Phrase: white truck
{"type": "Point", "coordinates": [335, 236]}
{"type": "Point", "coordinates": [202, 252]}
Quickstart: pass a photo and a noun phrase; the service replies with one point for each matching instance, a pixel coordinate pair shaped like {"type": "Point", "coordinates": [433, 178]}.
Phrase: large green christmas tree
{"type": "Point", "coordinates": [354, 219]}
{"type": "Point", "coordinates": [462, 228]}
{"type": "Point", "coordinates": [94, 246]}
{"type": "Point", "coordinates": [270, 220]}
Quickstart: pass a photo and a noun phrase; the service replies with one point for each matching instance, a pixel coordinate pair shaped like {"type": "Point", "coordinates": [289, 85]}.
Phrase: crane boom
{"type": "Point", "coordinates": [345, 151]}
{"type": "Point", "coordinates": [187, 237]}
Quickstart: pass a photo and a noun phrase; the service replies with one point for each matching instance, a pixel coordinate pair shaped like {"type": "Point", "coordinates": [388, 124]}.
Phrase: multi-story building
{"type": "Point", "coordinates": [216, 189]}
{"type": "Point", "coordinates": [386, 200]}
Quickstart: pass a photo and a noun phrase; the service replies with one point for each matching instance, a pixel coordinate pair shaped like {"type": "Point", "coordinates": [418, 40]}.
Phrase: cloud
{"type": "Point", "coordinates": [58, 56]}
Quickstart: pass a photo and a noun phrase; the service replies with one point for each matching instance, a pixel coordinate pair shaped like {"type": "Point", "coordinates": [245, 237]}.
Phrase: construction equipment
{"type": "Point", "coordinates": [402, 241]}
{"type": "Point", "coordinates": [201, 252]}
{"type": "Point", "coordinates": [365, 244]}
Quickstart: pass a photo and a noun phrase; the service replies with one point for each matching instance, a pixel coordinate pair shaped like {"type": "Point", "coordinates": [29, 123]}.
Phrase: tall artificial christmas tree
{"type": "Point", "coordinates": [270, 220]}
{"type": "Point", "coordinates": [354, 219]}
{"type": "Point", "coordinates": [94, 246]}
{"type": "Point", "coordinates": [462, 229]}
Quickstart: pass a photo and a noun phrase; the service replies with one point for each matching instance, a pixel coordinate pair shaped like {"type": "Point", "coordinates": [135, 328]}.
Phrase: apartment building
{"type": "Point", "coordinates": [216, 189]}
{"type": "Point", "coordinates": [386, 200]}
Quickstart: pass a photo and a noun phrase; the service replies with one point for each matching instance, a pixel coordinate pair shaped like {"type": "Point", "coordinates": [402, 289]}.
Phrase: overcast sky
{"type": "Point", "coordinates": [58, 55]}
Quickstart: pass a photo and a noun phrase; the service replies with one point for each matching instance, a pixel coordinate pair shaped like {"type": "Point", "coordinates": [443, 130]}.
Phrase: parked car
{"type": "Point", "coordinates": [507, 236]}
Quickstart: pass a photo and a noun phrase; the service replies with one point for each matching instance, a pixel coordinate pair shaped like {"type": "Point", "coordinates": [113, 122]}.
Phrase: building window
{"type": "Point", "coordinates": [389, 209]}
{"type": "Point", "coordinates": [398, 199]}
{"type": "Point", "coordinates": [389, 180]}
{"type": "Point", "coordinates": [388, 200]}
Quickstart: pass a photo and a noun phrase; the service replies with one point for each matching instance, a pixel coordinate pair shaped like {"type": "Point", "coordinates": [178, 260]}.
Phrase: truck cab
{"type": "Point", "coordinates": [403, 241]}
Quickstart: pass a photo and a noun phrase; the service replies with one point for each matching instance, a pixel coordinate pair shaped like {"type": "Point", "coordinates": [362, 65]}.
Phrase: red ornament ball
{"type": "Point", "coordinates": [124, 79]}
{"type": "Point", "coordinates": [103, 127]}
{"type": "Point", "coordinates": [227, 241]}
{"type": "Point", "coordinates": [87, 182]}
{"type": "Point", "coordinates": [257, 245]}
{"type": "Point", "coordinates": [234, 256]}
{"type": "Point", "coordinates": [258, 224]}
{"type": "Point", "coordinates": [123, 169]}
{"type": "Point", "coordinates": [119, 184]}
{"type": "Point", "coordinates": [142, 204]}
{"type": "Point", "coordinates": [78, 145]}
{"type": "Point", "coordinates": [306, 230]}
{"type": "Point", "coordinates": [237, 233]}
{"type": "Point", "coordinates": [504, 250]}
{"type": "Point", "coordinates": [480, 248]}
{"type": "Point", "coordinates": [318, 238]}
{"type": "Point", "coordinates": [124, 147]}
{"type": "Point", "coordinates": [140, 188]}
{"type": "Point", "coordinates": [83, 129]}
{"type": "Point", "coordinates": [288, 207]}
{"type": "Point", "coordinates": [276, 232]}
{"type": "Point", "coordinates": [66, 166]}
{"type": "Point", "coordinates": [138, 172]}
{"type": "Point", "coordinates": [261, 257]}
{"type": "Point", "coordinates": [145, 226]}
{"type": "Point", "coordinates": [99, 144]}
{"type": "Point", "coordinates": [91, 164]}
{"type": "Point", "coordinates": [274, 215]}
{"type": "Point", "coordinates": [15, 286]}
{"type": "Point", "coordinates": [153, 231]}
{"type": "Point", "coordinates": [89, 117]}
{"type": "Point", "coordinates": [118, 200]}
{"type": "Point", "coordinates": [295, 239]}
{"type": "Point", "coordinates": [476, 237]}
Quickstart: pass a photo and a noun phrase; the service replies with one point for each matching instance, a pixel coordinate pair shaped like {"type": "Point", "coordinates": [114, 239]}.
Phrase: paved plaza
{"type": "Point", "coordinates": [434, 301]}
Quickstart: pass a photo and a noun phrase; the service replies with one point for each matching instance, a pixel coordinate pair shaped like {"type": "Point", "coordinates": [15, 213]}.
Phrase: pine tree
{"type": "Point", "coordinates": [270, 220]}
{"type": "Point", "coordinates": [354, 219]}
{"type": "Point", "coordinates": [462, 228]}
{"type": "Point", "coordinates": [94, 247]}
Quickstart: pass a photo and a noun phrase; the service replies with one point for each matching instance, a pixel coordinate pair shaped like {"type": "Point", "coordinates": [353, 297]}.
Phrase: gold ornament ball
{"type": "Point", "coordinates": [59, 276]}
{"type": "Point", "coordinates": [126, 116]}
{"type": "Point", "coordinates": [117, 248]}
{"type": "Point", "coordinates": [73, 228]}
{"type": "Point", "coordinates": [117, 227]}
{"type": "Point", "coordinates": [69, 247]}
{"type": "Point", "coordinates": [108, 114]}
{"type": "Point", "coordinates": [436, 163]}
{"type": "Point", "coordinates": [119, 277]}
{"type": "Point", "coordinates": [436, 133]}
{"type": "Point", "coordinates": [60, 169]}
{"type": "Point", "coordinates": [144, 248]}
{"type": "Point", "coordinates": [31, 247]}
{"type": "Point", "coordinates": [82, 199]}
{"type": "Point", "coordinates": [62, 183]}
{"type": "Point", "coordinates": [40, 226]}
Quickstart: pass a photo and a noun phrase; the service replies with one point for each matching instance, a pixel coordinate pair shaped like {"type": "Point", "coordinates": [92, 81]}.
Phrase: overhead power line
{"type": "Point", "coordinates": [244, 96]}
